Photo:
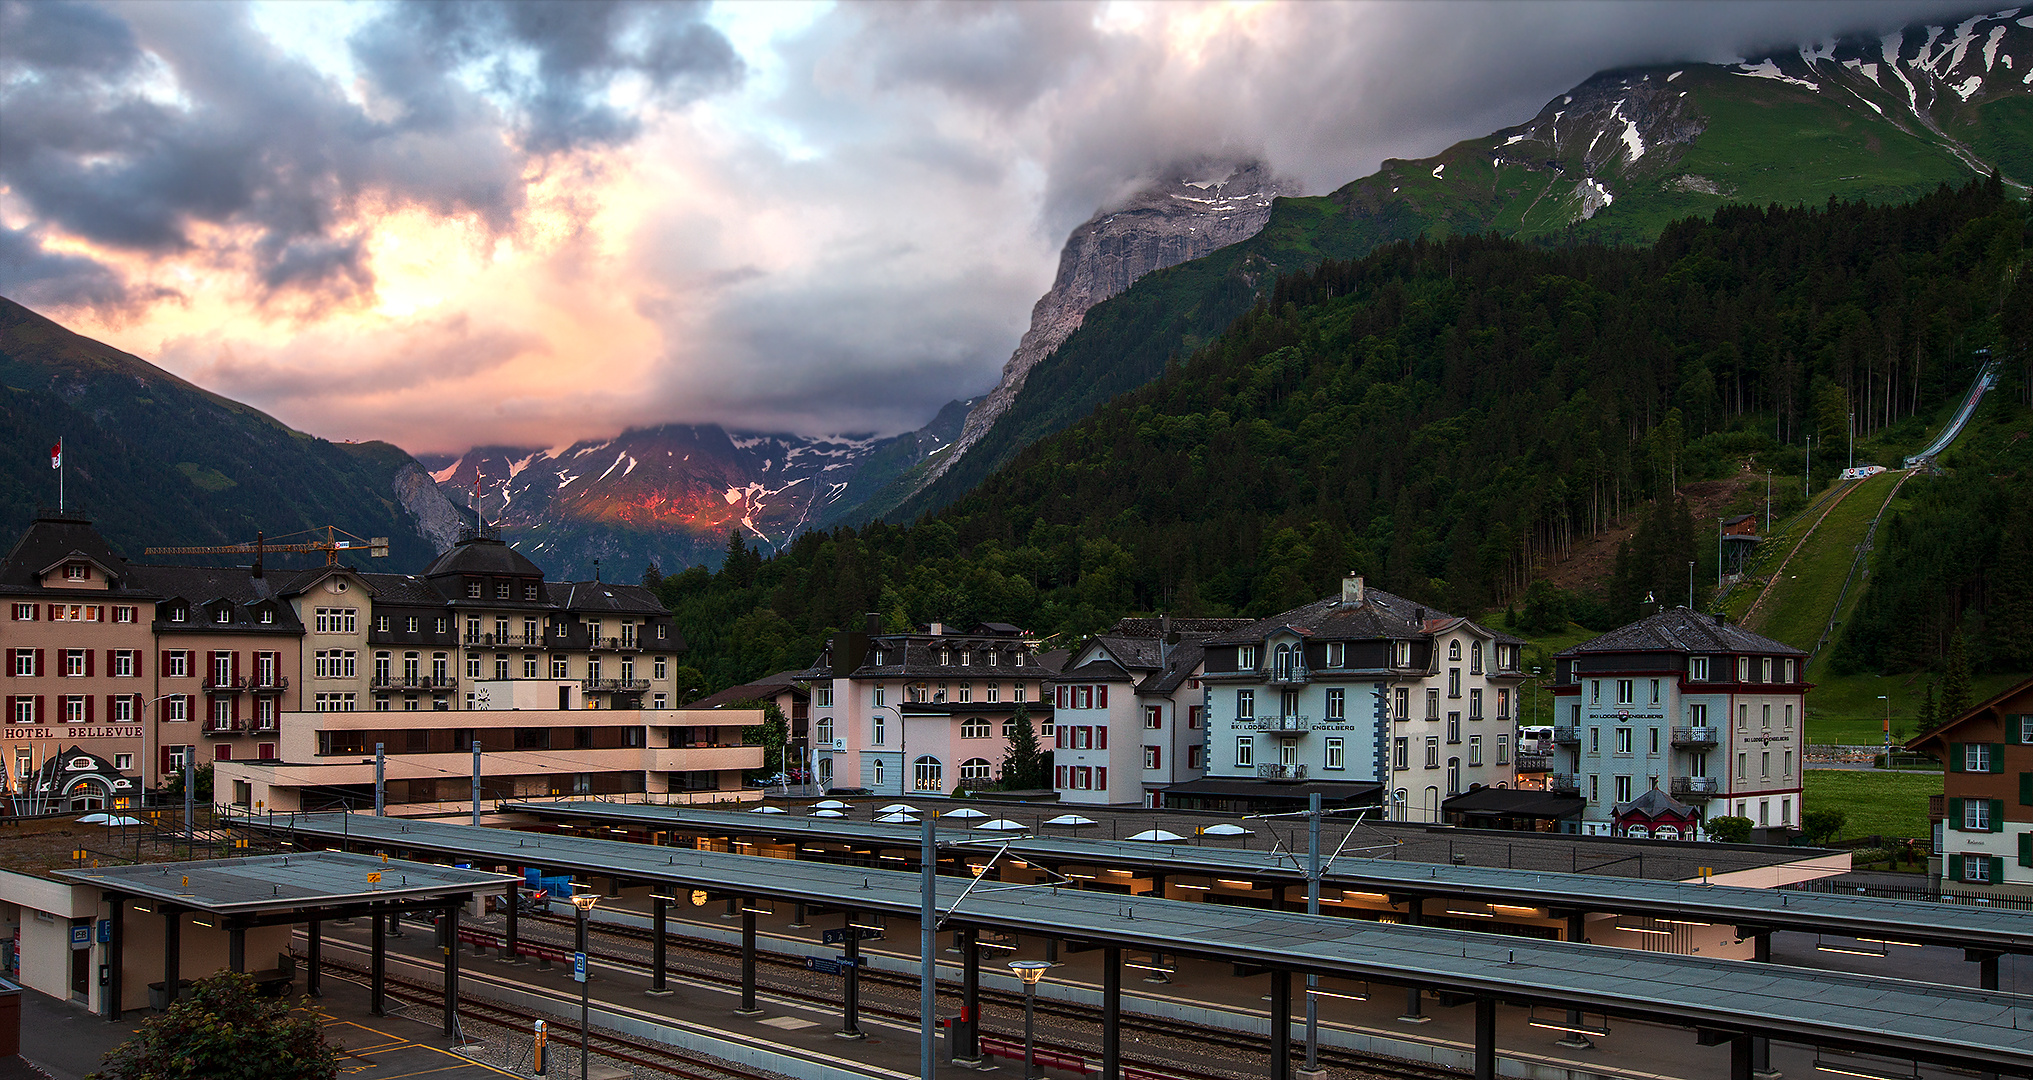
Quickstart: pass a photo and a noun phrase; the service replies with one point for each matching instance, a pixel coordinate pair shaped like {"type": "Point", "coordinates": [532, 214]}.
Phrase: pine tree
{"type": "Point", "coordinates": [1930, 717]}
{"type": "Point", "coordinates": [1024, 766]}
{"type": "Point", "coordinates": [1955, 681]}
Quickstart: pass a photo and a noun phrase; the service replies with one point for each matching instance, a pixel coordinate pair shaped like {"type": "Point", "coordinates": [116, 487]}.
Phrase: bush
{"type": "Point", "coordinates": [223, 1031]}
{"type": "Point", "coordinates": [1821, 826]}
{"type": "Point", "coordinates": [1730, 830]}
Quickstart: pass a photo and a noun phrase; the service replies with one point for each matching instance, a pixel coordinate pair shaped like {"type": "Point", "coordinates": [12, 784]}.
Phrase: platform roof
{"type": "Point", "coordinates": [280, 883]}
{"type": "Point", "coordinates": [1986, 1029]}
{"type": "Point", "coordinates": [1957, 925]}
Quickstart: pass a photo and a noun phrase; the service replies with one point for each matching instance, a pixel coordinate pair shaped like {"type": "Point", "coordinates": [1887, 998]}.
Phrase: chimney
{"type": "Point", "coordinates": [874, 623]}
{"type": "Point", "coordinates": [1351, 589]}
{"type": "Point", "coordinates": [1419, 616]}
{"type": "Point", "coordinates": [938, 629]}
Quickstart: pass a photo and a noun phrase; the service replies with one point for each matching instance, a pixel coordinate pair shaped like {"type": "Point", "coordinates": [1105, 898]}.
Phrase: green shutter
{"type": "Point", "coordinates": [1955, 757]}
{"type": "Point", "coordinates": [1955, 815]}
{"type": "Point", "coordinates": [1998, 757]}
{"type": "Point", "coordinates": [2012, 729]}
{"type": "Point", "coordinates": [1955, 868]}
{"type": "Point", "coordinates": [2026, 849]}
{"type": "Point", "coordinates": [1997, 869]}
{"type": "Point", "coordinates": [1997, 815]}
{"type": "Point", "coordinates": [2026, 789]}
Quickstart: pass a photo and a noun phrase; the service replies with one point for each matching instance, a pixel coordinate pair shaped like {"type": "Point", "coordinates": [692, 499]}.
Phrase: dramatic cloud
{"type": "Point", "coordinates": [528, 222]}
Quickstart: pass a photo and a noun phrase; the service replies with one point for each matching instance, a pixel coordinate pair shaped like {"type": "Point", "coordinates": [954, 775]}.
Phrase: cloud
{"type": "Point", "coordinates": [564, 218]}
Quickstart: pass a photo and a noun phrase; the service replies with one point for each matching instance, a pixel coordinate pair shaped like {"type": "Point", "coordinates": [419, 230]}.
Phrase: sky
{"type": "Point", "coordinates": [526, 223]}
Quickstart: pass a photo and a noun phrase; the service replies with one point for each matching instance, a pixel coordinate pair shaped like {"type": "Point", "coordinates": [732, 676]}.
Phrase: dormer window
{"type": "Point", "coordinates": [267, 617]}
{"type": "Point", "coordinates": [990, 658]}
{"type": "Point", "coordinates": [472, 590]}
{"type": "Point", "coordinates": [1337, 654]}
{"type": "Point", "coordinates": [529, 592]}
{"type": "Point", "coordinates": [945, 657]}
{"type": "Point", "coordinates": [223, 615]}
{"type": "Point", "coordinates": [966, 658]}
{"type": "Point", "coordinates": [176, 614]}
{"type": "Point", "coordinates": [1245, 658]}
{"type": "Point", "coordinates": [501, 590]}
{"type": "Point", "coordinates": [1401, 654]}
{"type": "Point", "coordinates": [1454, 649]}
{"type": "Point", "coordinates": [77, 572]}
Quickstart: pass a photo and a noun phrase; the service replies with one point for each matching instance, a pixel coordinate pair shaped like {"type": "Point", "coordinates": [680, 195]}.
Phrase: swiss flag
{"type": "Point", "coordinates": [56, 455]}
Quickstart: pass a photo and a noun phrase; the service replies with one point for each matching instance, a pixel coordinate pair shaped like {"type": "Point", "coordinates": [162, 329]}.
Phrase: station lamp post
{"type": "Point", "coordinates": [582, 966]}
{"type": "Point", "coordinates": [1030, 971]}
{"type": "Point", "coordinates": [1886, 698]}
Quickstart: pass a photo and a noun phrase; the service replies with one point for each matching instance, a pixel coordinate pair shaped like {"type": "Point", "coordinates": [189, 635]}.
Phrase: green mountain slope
{"type": "Point", "coordinates": [1615, 161]}
{"type": "Point", "coordinates": [159, 462]}
{"type": "Point", "coordinates": [1444, 417]}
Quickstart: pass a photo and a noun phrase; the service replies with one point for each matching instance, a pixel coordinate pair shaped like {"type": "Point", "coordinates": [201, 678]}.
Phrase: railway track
{"type": "Point", "coordinates": [1251, 1052]}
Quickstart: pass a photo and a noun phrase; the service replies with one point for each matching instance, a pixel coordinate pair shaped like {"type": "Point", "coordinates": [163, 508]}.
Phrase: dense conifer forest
{"type": "Point", "coordinates": [1450, 417]}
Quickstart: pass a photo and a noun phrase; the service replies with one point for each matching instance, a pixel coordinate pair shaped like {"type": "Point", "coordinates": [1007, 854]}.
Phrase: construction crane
{"type": "Point", "coordinates": [335, 541]}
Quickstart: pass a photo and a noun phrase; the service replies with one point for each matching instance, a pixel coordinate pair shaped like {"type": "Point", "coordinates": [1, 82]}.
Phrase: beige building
{"type": "Point", "coordinates": [328, 759]}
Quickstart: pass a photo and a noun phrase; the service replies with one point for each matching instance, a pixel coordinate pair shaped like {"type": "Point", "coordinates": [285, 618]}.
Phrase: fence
{"type": "Point", "coordinates": [1915, 892]}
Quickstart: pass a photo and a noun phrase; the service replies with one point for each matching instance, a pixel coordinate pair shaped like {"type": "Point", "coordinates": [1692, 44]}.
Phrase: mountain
{"type": "Point", "coordinates": [1616, 159]}
{"type": "Point", "coordinates": [1199, 208]}
{"type": "Point", "coordinates": [669, 495]}
{"type": "Point", "coordinates": [160, 462]}
{"type": "Point", "coordinates": [1450, 417]}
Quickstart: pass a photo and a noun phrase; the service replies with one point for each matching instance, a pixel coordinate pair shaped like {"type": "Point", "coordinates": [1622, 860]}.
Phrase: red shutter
{"type": "Point", "coordinates": [1101, 697]}
{"type": "Point", "coordinates": [1101, 738]}
{"type": "Point", "coordinates": [163, 768]}
{"type": "Point", "coordinates": [1059, 735]}
{"type": "Point", "coordinates": [266, 751]}
{"type": "Point", "coordinates": [39, 669]}
{"type": "Point", "coordinates": [165, 662]}
{"type": "Point", "coordinates": [223, 752]}
{"type": "Point", "coordinates": [1101, 778]}
{"type": "Point", "coordinates": [236, 666]}
{"type": "Point", "coordinates": [88, 707]}
{"type": "Point", "coordinates": [88, 663]}
{"type": "Point", "coordinates": [1059, 776]}
{"type": "Point", "coordinates": [39, 715]}
{"type": "Point", "coordinates": [1157, 757]}
{"type": "Point", "coordinates": [10, 662]}
{"type": "Point", "coordinates": [138, 654]}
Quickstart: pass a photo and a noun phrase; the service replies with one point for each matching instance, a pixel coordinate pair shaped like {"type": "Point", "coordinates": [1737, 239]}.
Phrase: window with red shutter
{"type": "Point", "coordinates": [138, 654]}
{"type": "Point", "coordinates": [1059, 776]}
{"type": "Point", "coordinates": [88, 708]}
{"type": "Point", "coordinates": [39, 669]}
{"type": "Point", "coordinates": [40, 716]}
{"type": "Point", "coordinates": [1101, 777]}
{"type": "Point", "coordinates": [223, 752]}
{"type": "Point", "coordinates": [1101, 697]}
{"type": "Point", "coordinates": [1101, 738]}
{"type": "Point", "coordinates": [88, 662]}
{"type": "Point", "coordinates": [266, 751]}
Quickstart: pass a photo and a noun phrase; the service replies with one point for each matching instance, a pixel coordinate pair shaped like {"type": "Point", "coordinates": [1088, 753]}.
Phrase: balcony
{"type": "Point", "coordinates": [1695, 736]}
{"type": "Point", "coordinates": [268, 684]}
{"type": "Point", "coordinates": [1281, 772]}
{"type": "Point", "coordinates": [216, 685]}
{"type": "Point", "coordinates": [1696, 785]}
{"type": "Point", "coordinates": [615, 644]}
{"type": "Point", "coordinates": [414, 682]}
{"type": "Point", "coordinates": [260, 726]}
{"type": "Point", "coordinates": [503, 641]}
{"type": "Point", "coordinates": [614, 686]}
{"type": "Point", "coordinates": [1289, 675]}
{"type": "Point", "coordinates": [1290, 725]}
{"type": "Point", "coordinates": [1567, 736]}
{"type": "Point", "coordinates": [1564, 784]}
{"type": "Point", "coordinates": [222, 728]}
{"type": "Point", "coordinates": [1534, 763]}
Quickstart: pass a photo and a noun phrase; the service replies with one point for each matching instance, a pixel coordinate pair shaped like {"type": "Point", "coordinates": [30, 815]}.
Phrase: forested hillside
{"type": "Point", "coordinates": [1442, 416]}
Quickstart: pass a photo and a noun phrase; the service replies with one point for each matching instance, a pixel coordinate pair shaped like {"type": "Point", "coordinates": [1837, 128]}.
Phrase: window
{"type": "Point", "coordinates": [876, 773]}
{"type": "Point", "coordinates": [472, 590]}
{"type": "Point", "coordinates": [974, 727]}
{"type": "Point", "coordinates": [1193, 757]}
{"type": "Point", "coordinates": [1697, 715]}
{"type": "Point", "coordinates": [501, 667]}
{"type": "Point", "coordinates": [409, 625]}
{"type": "Point", "coordinates": [1697, 668]}
{"type": "Point", "coordinates": [1401, 753]}
{"type": "Point", "coordinates": [1432, 703]}
{"type": "Point", "coordinates": [472, 667]}
{"type": "Point", "coordinates": [1740, 772]}
{"type": "Point", "coordinates": [1743, 669]}
{"type": "Point", "coordinates": [1503, 703]}
{"type": "Point", "coordinates": [1475, 658]}
{"type": "Point", "coordinates": [1475, 704]}
{"type": "Point", "coordinates": [1154, 717]}
{"type": "Point", "coordinates": [1246, 658]}
{"type": "Point", "coordinates": [1594, 691]}
{"type": "Point", "coordinates": [824, 732]}
{"type": "Point", "coordinates": [966, 691]}
{"type": "Point", "coordinates": [1454, 682]}
{"type": "Point", "coordinates": [381, 624]}
{"type": "Point", "coordinates": [1453, 728]}
{"type": "Point", "coordinates": [1766, 711]}
{"type": "Point", "coordinates": [1020, 691]}
{"type": "Point", "coordinates": [1976, 815]}
{"type": "Point", "coordinates": [441, 625]}
{"type": "Point", "coordinates": [1789, 716]}
{"type": "Point", "coordinates": [1337, 704]}
{"type": "Point", "coordinates": [74, 663]}
{"type": "Point", "coordinates": [1334, 753]}
{"type": "Point", "coordinates": [23, 711]}
{"type": "Point", "coordinates": [1503, 749]}
{"type": "Point", "coordinates": [1765, 763]}
{"type": "Point", "coordinates": [1623, 789]}
{"type": "Point", "coordinates": [176, 707]}
{"type": "Point", "coordinates": [1403, 653]}
{"type": "Point", "coordinates": [1193, 718]}
{"type": "Point", "coordinates": [878, 693]}
{"type": "Point", "coordinates": [1401, 700]}
{"type": "Point", "coordinates": [176, 614]}
{"type": "Point", "coordinates": [334, 703]}
{"type": "Point", "coordinates": [1152, 757]}
{"type": "Point", "coordinates": [1475, 749]}
{"type": "Point", "coordinates": [1454, 776]}
{"type": "Point", "coordinates": [1432, 751]}
{"type": "Point", "coordinates": [659, 700]}
{"type": "Point", "coordinates": [1337, 654]}
{"type": "Point", "coordinates": [927, 775]}
{"type": "Point", "coordinates": [529, 591]}
{"type": "Point", "coordinates": [77, 572]}
{"type": "Point", "coordinates": [1976, 757]}
{"type": "Point", "coordinates": [994, 688]}
{"type": "Point", "coordinates": [123, 707]}
{"type": "Point", "coordinates": [1595, 740]}
{"type": "Point", "coordinates": [663, 671]}
{"type": "Point", "coordinates": [880, 734]}
{"type": "Point", "coordinates": [176, 664]}
{"type": "Point", "coordinates": [1655, 691]}
{"type": "Point", "coordinates": [74, 709]}
{"type": "Point", "coordinates": [1789, 671]}
{"type": "Point", "coordinates": [1626, 691]}
{"type": "Point", "coordinates": [561, 666]}
{"type": "Point", "coordinates": [1765, 670]}
{"type": "Point", "coordinates": [1976, 868]}
{"type": "Point", "coordinates": [332, 620]}
{"type": "Point", "coordinates": [1245, 751]}
{"type": "Point", "coordinates": [1245, 704]}
{"type": "Point", "coordinates": [976, 768]}
{"type": "Point", "coordinates": [529, 666]}
{"type": "Point", "coordinates": [1655, 739]}
{"type": "Point", "coordinates": [123, 614]}
{"type": "Point", "coordinates": [26, 612]}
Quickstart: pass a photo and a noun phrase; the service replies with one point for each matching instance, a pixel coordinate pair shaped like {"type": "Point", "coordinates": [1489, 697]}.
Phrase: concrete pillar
{"type": "Point", "coordinates": [116, 956]}
{"type": "Point", "coordinates": [1485, 1038]}
{"type": "Point", "coordinates": [1111, 1013]}
{"type": "Point", "coordinates": [377, 967]}
{"type": "Point", "coordinates": [659, 945]}
{"type": "Point", "coordinates": [450, 929]}
{"type": "Point", "coordinates": [315, 950]}
{"type": "Point", "coordinates": [511, 940]}
{"type": "Point", "coordinates": [748, 960]}
{"type": "Point", "coordinates": [172, 951]}
{"type": "Point", "coordinates": [1281, 1023]}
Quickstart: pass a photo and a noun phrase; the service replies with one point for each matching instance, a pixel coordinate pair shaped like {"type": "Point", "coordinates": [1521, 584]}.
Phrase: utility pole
{"type": "Point", "coordinates": [1718, 554]}
{"type": "Point", "coordinates": [1807, 478]}
{"type": "Point", "coordinates": [476, 778]}
{"type": "Point", "coordinates": [1690, 579]}
{"type": "Point", "coordinates": [380, 777]}
{"type": "Point", "coordinates": [1768, 504]}
{"type": "Point", "coordinates": [928, 914]}
{"type": "Point", "coordinates": [190, 785]}
{"type": "Point", "coordinates": [1281, 1024]}
{"type": "Point", "coordinates": [1852, 440]}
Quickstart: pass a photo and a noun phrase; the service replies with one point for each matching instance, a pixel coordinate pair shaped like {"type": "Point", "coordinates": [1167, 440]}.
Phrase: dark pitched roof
{"type": "Point", "coordinates": [1514, 802]}
{"type": "Point", "coordinates": [203, 584]}
{"type": "Point", "coordinates": [405, 590]}
{"type": "Point", "coordinates": [1155, 627]}
{"type": "Point", "coordinates": [1681, 630]}
{"type": "Point", "coordinates": [768, 686]}
{"type": "Point", "coordinates": [1379, 616]}
{"type": "Point", "coordinates": [1182, 662]}
{"type": "Point", "coordinates": [920, 658]}
{"type": "Point", "coordinates": [596, 597]}
{"type": "Point", "coordinates": [1654, 804]}
{"type": "Point", "coordinates": [51, 539]}
{"type": "Point", "coordinates": [1099, 669]}
{"type": "Point", "coordinates": [479, 555]}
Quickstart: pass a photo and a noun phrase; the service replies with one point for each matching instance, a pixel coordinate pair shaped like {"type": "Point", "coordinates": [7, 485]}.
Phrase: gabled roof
{"type": "Point", "coordinates": [407, 590]}
{"type": "Point", "coordinates": [49, 541]}
{"type": "Point", "coordinates": [203, 585]}
{"type": "Point", "coordinates": [596, 597]}
{"type": "Point", "coordinates": [1681, 630]}
{"type": "Point", "coordinates": [1654, 804]}
{"type": "Point", "coordinates": [1182, 662]}
{"type": "Point", "coordinates": [1992, 706]}
{"type": "Point", "coordinates": [482, 555]}
{"type": "Point", "coordinates": [768, 686]}
{"type": "Point", "coordinates": [1152, 627]}
{"type": "Point", "coordinates": [1378, 616]}
{"type": "Point", "coordinates": [1099, 669]}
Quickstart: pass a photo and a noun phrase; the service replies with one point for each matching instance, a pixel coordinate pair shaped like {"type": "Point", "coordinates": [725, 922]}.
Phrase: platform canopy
{"type": "Point", "coordinates": [267, 883]}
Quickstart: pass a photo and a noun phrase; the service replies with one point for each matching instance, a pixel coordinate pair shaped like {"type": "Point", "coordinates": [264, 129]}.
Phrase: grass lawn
{"type": "Point", "coordinates": [1845, 708]}
{"type": "Point", "coordinates": [1877, 804]}
{"type": "Point", "coordinates": [1801, 602]}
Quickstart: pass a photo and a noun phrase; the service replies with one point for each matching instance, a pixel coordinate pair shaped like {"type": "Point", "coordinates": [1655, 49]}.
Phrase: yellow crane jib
{"type": "Point", "coordinates": [334, 541]}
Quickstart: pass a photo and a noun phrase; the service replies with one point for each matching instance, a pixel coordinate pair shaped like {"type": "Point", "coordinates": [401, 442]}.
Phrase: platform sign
{"type": "Point", "coordinates": [105, 931]}
{"type": "Point", "coordinates": [81, 937]}
{"type": "Point", "coordinates": [578, 967]}
{"type": "Point", "coordinates": [822, 965]}
{"type": "Point", "coordinates": [838, 935]}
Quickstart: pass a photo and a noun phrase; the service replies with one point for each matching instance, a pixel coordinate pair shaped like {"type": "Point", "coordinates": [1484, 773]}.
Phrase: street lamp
{"type": "Point", "coordinates": [1030, 971]}
{"type": "Point", "coordinates": [1886, 698]}
{"type": "Point", "coordinates": [580, 970]}
{"type": "Point", "coordinates": [902, 746]}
